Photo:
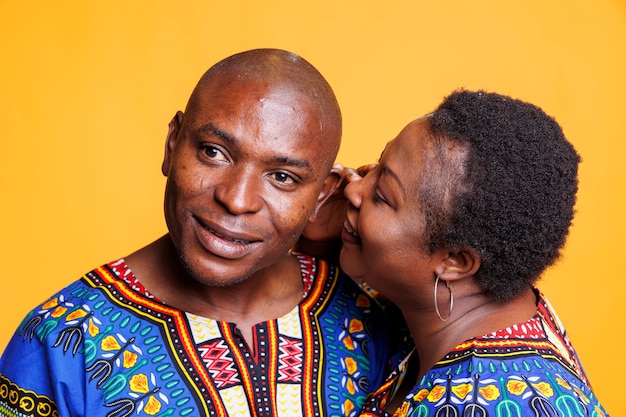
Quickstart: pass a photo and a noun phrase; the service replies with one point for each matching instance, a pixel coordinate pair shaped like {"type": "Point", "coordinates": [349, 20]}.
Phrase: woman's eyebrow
{"type": "Point", "coordinates": [394, 176]}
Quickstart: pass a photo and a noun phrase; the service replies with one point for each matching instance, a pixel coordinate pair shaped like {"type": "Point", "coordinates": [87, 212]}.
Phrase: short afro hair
{"type": "Point", "coordinates": [515, 200]}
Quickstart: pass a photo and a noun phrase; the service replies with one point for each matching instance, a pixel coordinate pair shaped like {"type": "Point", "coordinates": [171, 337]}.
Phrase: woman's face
{"type": "Point", "coordinates": [383, 235]}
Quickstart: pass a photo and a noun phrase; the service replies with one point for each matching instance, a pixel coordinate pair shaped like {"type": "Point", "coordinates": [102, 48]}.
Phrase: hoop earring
{"type": "Point", "coordinates": [451, 299]}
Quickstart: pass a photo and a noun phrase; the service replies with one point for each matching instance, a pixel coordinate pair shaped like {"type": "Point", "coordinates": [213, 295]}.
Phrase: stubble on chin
{"type": "Point", "coordinates": [207, 281]}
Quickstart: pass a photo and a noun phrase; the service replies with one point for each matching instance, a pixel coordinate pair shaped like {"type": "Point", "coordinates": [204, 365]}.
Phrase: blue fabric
{"type": "Point", "coordinates": [104, 346]}
{"type": "Point", "coordinates": [530, 369]}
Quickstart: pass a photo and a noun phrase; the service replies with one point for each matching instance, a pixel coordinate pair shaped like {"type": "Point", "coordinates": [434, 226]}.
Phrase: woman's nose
{"type": "Point", "coordinates": [354, 192]}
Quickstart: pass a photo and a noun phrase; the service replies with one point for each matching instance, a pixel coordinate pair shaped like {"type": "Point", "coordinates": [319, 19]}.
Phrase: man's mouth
{"type": "Point", "coordinates": [229, 239]}
{"type": "Point", "coordinates": [223, 242]}
{"type": "Point", "coordinates": [240, 238]}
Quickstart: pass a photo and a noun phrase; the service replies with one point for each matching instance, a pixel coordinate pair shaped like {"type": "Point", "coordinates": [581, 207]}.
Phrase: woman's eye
{"type": "Point", "coordinates": [379, 198]}
{"type": "Point", "coordinates": [214, 153]}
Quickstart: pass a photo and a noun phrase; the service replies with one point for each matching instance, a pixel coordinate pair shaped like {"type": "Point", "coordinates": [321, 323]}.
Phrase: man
{"type": "Point", "coordinates": [218, 317]}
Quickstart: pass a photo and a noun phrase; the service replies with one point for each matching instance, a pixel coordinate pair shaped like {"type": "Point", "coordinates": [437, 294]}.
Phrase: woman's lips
{"type": "Point", "coordinates": [349, 235]}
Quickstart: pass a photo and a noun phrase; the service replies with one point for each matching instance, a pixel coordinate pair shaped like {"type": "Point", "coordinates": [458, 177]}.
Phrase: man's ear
{"type": "Point", "coordinates": [170, 141]}
{"type": "Point", "coordinates": [458, 265]}
{"type": "Point", "coordinates": [331, 186]}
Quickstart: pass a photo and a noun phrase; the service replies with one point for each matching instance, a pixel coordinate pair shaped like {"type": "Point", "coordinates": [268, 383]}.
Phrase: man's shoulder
{"type": "Point", "coordinates": [44, 323]}
{"type": "Point", "coordinates": [66, 301]}
{"type": "Point", "coordinates": [109, 271]}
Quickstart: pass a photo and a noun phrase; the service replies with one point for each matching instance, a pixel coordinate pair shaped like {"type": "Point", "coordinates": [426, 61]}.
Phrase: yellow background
{"type": "Point", "coordinates": [87, 89]}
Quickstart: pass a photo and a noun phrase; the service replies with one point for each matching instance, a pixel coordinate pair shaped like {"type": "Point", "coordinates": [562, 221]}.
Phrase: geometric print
{"type": "Point", "coordinates": [106, 346]}
{"type": "Point", "coordinates": [219, 362]}
{"type": "Point", "coordinates": [290, 360]}
{"type": "Point", "coordinates": [527, 369]}
{"type": "Point", "coordinates": [202, 329]}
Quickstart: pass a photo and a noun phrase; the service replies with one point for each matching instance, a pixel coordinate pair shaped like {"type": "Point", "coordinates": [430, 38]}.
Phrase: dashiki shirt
{"type": "Point", "coordinates": [104, 346]}
{"type": "Point", "coordinates": [529, 369]}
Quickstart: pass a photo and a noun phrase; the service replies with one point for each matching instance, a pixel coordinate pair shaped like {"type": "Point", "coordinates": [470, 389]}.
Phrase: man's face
{"type": "Point", "coordinates": [244, 169]}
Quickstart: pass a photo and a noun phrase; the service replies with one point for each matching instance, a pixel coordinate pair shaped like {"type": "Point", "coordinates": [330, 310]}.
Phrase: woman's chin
{"type": "Point", "coordinates": [352, 265]}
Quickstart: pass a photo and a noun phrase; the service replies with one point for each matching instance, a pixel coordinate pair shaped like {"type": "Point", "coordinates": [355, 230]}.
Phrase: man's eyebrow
{"type": "Point", "coordinates": [300, 163]}
{"type": "Point", "coordinates": [211, 130]}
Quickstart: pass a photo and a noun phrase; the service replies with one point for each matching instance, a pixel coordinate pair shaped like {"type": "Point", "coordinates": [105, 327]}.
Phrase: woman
{"type": "Point", "coordinates": [465, 209]}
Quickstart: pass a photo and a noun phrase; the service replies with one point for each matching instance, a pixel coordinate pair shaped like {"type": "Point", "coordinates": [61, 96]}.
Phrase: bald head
{"type": "Point", "coordinates": [280, 72]}
{"type": "Point", "coordinates": [249, 164]}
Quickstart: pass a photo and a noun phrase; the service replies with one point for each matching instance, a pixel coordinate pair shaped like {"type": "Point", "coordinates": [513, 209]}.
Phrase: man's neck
{"type": "Point", "coordinates": [266, 295]}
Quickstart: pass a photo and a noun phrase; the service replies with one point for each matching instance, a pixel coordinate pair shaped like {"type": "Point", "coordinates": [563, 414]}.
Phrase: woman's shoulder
{"type": "Point", "coordinates": [504, 379]}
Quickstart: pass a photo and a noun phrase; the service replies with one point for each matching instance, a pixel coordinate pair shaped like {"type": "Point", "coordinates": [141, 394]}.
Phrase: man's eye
{"type": "Point", "coordinates": [214, 153]}
{"type": "Point", "coordinates": [284, 178]}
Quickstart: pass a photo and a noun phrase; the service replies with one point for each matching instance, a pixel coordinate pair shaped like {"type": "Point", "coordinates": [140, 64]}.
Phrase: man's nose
{"type": "Point", "coordinates": [240, 191]}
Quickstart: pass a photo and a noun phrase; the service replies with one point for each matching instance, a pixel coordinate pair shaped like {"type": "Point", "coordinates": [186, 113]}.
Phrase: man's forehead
{"type": "Point", "coordinates": [280, 106]}
{"type": "Point", "coordinates": [274, 96]}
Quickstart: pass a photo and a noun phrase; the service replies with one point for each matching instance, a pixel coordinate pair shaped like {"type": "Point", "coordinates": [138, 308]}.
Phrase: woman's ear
{"type": "Point", "coordinates": [458, 265]}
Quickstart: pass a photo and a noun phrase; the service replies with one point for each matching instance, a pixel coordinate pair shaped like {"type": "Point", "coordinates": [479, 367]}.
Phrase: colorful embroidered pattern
{"type": "Point", "coordinates": [15, 401]}
{"type": "Point", "coordinates": [529, 369]}
{"type": "Point", "coordinates": [125, 353]}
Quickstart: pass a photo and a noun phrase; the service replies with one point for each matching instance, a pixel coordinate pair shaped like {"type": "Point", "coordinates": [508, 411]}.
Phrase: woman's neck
{"type": "Point", "coordinates": [474, 314]}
